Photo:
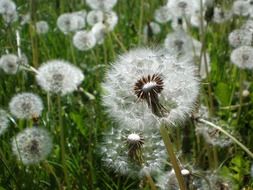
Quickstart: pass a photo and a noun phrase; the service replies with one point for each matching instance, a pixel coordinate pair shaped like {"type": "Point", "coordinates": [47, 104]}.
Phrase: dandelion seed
{"type": "Point", "coordinates": [146, 85]}
{"type": "Point", "coordinates": [105, 5]}
{"type": "Point", "coordinates": [84, 40]}
{"type": "Point", "coordinates": [9, 63]}
{"type": "Point", "coordinates": [163, 15]}
{"type": "Point", "coordinates": [42, 27]}
{"type": "Point", "coordinates": [32, 145]}
{"type": "Point", "coordinates": [4, 121]}
{"type": "Point", "coordinates": [68, 22]}
{"type": "Point", "coordinates": [242, 57]}
{"type": "Point", "coordinates": [94, 17]}
{"type": "Point", "coordinates": [127, 152]}
{"type": "Point", "coordinates": [26, 106]}
{"type": "Point", "coordinates": [57, 76]}
{"type": "Point", "coordinates": [240, 37]}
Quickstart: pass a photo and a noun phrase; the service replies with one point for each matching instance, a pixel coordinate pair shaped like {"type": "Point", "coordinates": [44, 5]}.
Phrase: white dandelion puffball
{"type": "Point", "coordinates": [7, 7]}
{"type": "Point", "coordinates": [220, 15]}
{"type": "Point", "coordinates": [42, 27]}
{"type": "Point", "coordinates": [145, 86]}
{"type": "Point", "coordinates": [94, 17]}
{"type": "Point", "coordinates": [84, 40]}
{"type": "Point", "coordinates": [101, 4]}
{"type": "Point", "coordinates": [4, 121]}
{"type": "Point", "coordinates": [26, 105]}
{"type": "Point", "coordinates": [32, 145]}
{"type": "Point", "coordinates": [242, 57]}
{"type": "Point", "coordinates": [99, 31]}
{"type": "Point", "coordinates": [133, 152]}
{"type": "Point", "coordinates": [57, 76]}
{"type": "Point", "coordinates": [241, 8]}
{"type": "Point", "coordinates": [70, 22]}
{"type": "Point", "coordinates": [183, 8]}
{"type": "Point", "coordinates": [163, 14]}
{"type": "Point", "coordinates": [110, 20]}
{"type": "Point", "coordinates": [240, 37]}
{"type": "Point", "coordinates": [9, 63]}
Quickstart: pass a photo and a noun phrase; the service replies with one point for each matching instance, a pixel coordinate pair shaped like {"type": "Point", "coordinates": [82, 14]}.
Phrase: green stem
{"type": "Point", "coordinates": [173, 159]}
{"type": "Point", "coordinates": [240, 96]}
{"type": "Point", "coordinates": [227, 134]}
{"type": "Point", "coordinates": [140, 22]}
{"type": "Point", "coordinates": [62, 139]}
{"type": "Point", "coordinates": [150, 181]}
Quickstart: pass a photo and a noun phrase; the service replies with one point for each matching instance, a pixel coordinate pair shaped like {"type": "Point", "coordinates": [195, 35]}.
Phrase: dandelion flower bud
{"type": "Point", "coordinates": [32, 145]}
{"type": "Point", "coordinates": [99, 31]}
{"type": "Point", "coordinates": [128, 152]}
{"type": "Point", "coordinates": [150, 85]}
{"type": "Point", "coordinates": [163, 15]}
{"type": "Point", "coordinates": [59, 76]}
{"type": "Point", "coordinates": [242, 57]}
{"type": "Point", "coordinates": [84, 40]}
{"type": "Point", "coordinates": [95, 16]}
{"type": "Point", "coordinates": [240, 37]}
{"type": "Point", "coordinates": [9, 63]}
{"type": "Point", "coordinates": [101, 5]}
{"type": "Point", "coordinates": [68, 22]}
{"type": "Point", "coordinates": [7, 7]}
{"type": "Point", "coordinates": [4, 121]}
{"type": "Point", "coordinates": [42, 27]}
{"type": "Point", "coordinates": [26, 106]}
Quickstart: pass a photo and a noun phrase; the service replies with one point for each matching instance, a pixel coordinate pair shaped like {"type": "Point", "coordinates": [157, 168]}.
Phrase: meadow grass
{"type": "Point", "coordinates": [82, 119]}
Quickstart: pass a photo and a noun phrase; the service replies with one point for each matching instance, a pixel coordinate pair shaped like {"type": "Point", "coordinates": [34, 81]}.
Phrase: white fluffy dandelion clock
{"type": "Point", "coordinates": [145, 86]}
{"type": "Point", "coordinates": [57, 76]}
{"type": "Point", "coordinates": [9, 63]}
{"type": "Point", "coordinates": [32, 145]}
{"type": "Point", "coordinates": [4, 121]}
{"type": "Point", "coordinates": [101, 4]}
{"type": "Point", "coordinates": [242, 57]}
{"type": "Point", "coordinates": [84, 40]}
{"type": "Point", "coordinates": [128, 152]}
{"type": "Point", "coordinates": [26, 106]}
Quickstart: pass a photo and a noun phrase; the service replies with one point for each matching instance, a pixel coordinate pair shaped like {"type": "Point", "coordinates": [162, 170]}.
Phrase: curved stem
{"type": "Point", "coordinates": [173, 159]}
{"type": "Point", "coordinates": [227, 134]}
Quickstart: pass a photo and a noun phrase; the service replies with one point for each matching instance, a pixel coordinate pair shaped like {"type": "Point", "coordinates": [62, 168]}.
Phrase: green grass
{"type": "Point", "coordinates": [85, 119]}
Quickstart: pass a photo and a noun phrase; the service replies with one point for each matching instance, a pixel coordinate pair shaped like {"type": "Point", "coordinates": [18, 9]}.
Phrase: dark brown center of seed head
{"type": "Point", "coordinates": [34, 148]}
{"type": "Point", "coordinates": [147, 88]}
{"type": "Point", "coordinates": [245, 57]}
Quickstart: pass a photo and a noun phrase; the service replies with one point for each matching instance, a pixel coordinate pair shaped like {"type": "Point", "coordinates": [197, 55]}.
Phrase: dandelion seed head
{"type": "Point", "coordinates": [145, 86]}
{"type": "Point", "coordinates": [105, 5]}
{"type": "Point", "coordinates": [126, 152]}
{"type": "Point", "coordinates": [10, 17]}
{"type": "Point", "coordinates": [242, 57]}
{"type": "Point", "coordinates": [26, 105]}
{"type": "Point", "coordinates": [60, 77]}
{"type": "Point", "coordinates": [42, 27]}
{"type": "Point", "coordinates": [4, 121]}
{"type": "Point", "coordinates": [32, 145]}
{"type": "Point", "coordinates": [241, 8]}
{"type": "Point", "coordinates": [168, 181]}
{"type": "Point", "coordinates": [182, 8]}
{"type": "Point", "coordinates": [220, 15]}
{"type": "Point", "coordinates": [7, 7]}
{"type": "Point", "coordinates": [94, 17]}
{"type": "Point", "coordinates": [84, 40]}
{"type": "Point", "coordinates": [69, 22]}
{"type": "Point", "coordinates": [99, 31]}
{"type": "Point", "coordinates": [110, 20]}
{"type": "Point", "coordinates": [162, 14]}
{"type": "Point", "coordinates": [240, 37]}
{"type": "Point", "coordinates": [9, 63]}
